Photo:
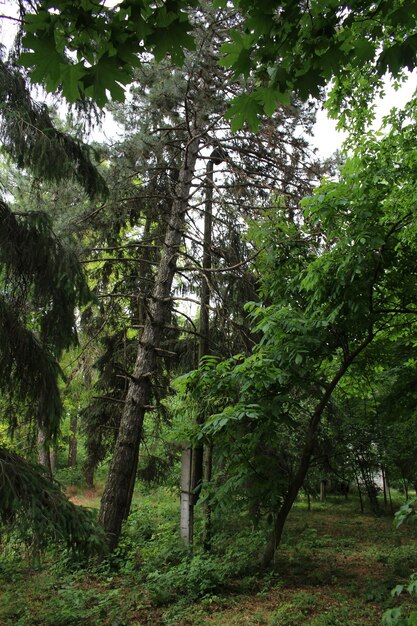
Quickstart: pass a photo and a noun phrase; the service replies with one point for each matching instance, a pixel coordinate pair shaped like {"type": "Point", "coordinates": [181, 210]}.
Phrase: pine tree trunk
{"type": "Point", "coordinates": [132, 482]}
{"type": "Point", "coordinates": [117, 494]}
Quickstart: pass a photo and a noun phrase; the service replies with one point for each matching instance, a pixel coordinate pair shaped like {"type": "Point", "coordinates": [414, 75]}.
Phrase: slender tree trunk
{"type": "Point", "coordinates": [117, 494]}
{"type": "Point", "coordinates": [299, 478]}
{"type": "Point", "coordinates": [44, 457]}
{"type": "Point", "coordinates": [359, 493]}
{"type": "Point", "coordinates": [384, 488]}
{"type": "Point", "coordinates": [73, 442]}
{"type": "Point", "coordinates": [322, 491]}
{"type": "Point", "coordinates": [308, 500]}
{"type": "Point", "coordinates": [389, 494]}
{"type": "Point", "coordinates": [89, 469]}
{"type": "Point", "coordinates": [187, 508]}
{"type": "Point", "coordinates": [94, 456]}
{"type": "Point", "coordinates": [368, 481]}
{"type": "Point", "coordinates": [53, 456]}
{"type": "Point", "coordinates": [196, 454]}
{"type": "Point", "coordinates": [208, 470]}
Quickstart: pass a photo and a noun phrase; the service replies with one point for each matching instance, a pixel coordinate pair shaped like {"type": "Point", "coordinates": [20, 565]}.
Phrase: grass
{"type": "Point", "coordinates": [335, 567]}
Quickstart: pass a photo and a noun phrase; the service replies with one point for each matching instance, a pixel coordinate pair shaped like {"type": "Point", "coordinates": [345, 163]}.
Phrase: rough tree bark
{"type": "Point", "coordinates": [117, 494]}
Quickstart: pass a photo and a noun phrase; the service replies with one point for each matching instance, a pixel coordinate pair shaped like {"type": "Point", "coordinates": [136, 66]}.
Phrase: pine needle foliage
{"type": "Point", "coordinates": [28, 135]}
{"type": "Point", "coordinates": [35, 268]}
{"type": "Point", "coordinates": [28, 375]}
{"type": "Point", "coordinates": [41, 287]}
{"type": "Point", "coordinates": [36, 510]}
{"type": "Point", "coordinates": [36, 264]}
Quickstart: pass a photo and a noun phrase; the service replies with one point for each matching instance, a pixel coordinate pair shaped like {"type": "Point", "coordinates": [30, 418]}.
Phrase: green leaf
{"type": "Point", "coordinates": [45, 60]}
{"type": "Point", "coordinates": [71, 77]}
{"type": "Point", "coordinates": [270, 98]}
{"type": "Point", "coordinates": [398, 589]}
{"type": "Point", "coordinates": [244, 108]}
{"type": "Point", "coordinates": [105, 76]}
{"type": "Point", "coordinates": [237, 54]}
{"type": "Point", "coordinates": [165, 18]}
{"type": "Point", "coordinates": [364, 49]}
{"type": "Point", "coordinates": [172, 41]}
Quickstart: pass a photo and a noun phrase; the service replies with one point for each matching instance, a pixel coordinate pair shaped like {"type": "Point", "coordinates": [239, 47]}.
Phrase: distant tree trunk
{"type": "Point", "coordinates": [187, 508]}
{"type": "Point", "coordinates": [44, 457]}
{"type": "Point", "coordinates": [371, 489]}
{"type": "Point", "coordinates": [94, 456]}
{"type": "Point", "coordinates": [73, 442]}
{"type": "Point", "coordinates": [388, 487]}
{"type": "Point", "coordinates": [117, 494]}
{"type": "Point", "coordinates": [323, 490]}
{"type": "Point", "coordinates": [53, 455]}
{"type": "Point", "coordinates": [208, 470]}
{"type": "Point", "coordinates": [297, 482]}
{"type": "Point", "coordinates": [384, 487]}
{"type": "Point", "coordinates": [359, 493]}
{"type": "Point", "coordinates": [89, 469]}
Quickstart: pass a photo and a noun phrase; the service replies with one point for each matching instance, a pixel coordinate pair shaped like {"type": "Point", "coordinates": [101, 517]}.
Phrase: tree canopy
{"type": "Point", "coordinates": [291, 48]}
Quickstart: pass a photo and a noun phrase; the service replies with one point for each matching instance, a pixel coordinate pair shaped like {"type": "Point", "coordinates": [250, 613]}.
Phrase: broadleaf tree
{"type": "Point", "coordinates": [333, 284]}
{"type": "Point", "coordinates": [89, 49]}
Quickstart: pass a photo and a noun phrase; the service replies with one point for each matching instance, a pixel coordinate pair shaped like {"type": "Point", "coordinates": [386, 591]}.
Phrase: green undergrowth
{"type": "Point", "coordinates": [336, 567]}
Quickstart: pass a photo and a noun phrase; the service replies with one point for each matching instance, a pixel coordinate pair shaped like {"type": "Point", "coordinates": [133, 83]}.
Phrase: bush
{"type": "Point", "coordinates": [403, 560]}
{"type": "Point", "coordinates": [192, 579]}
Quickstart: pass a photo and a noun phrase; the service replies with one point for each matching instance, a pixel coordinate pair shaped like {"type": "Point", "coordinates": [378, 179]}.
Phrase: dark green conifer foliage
{"type": "Point", "coordinates": [42, 513]}
{"type": "Point", "coordinates": [36, 267]}
{"type": "Point", "coordinates": [41, 281]}
{"type": "Point", "coordinates": [28, 135]}
{"type": "Point", "coordinates": [41, 285]}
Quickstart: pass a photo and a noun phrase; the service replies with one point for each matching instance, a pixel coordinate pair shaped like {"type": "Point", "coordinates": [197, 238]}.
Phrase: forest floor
{"type": "Point", "coordinates": [336, 567]}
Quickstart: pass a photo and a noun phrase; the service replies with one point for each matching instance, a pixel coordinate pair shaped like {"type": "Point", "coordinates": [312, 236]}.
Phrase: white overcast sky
{"type": "Point", "coordinates": [326, 137]}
